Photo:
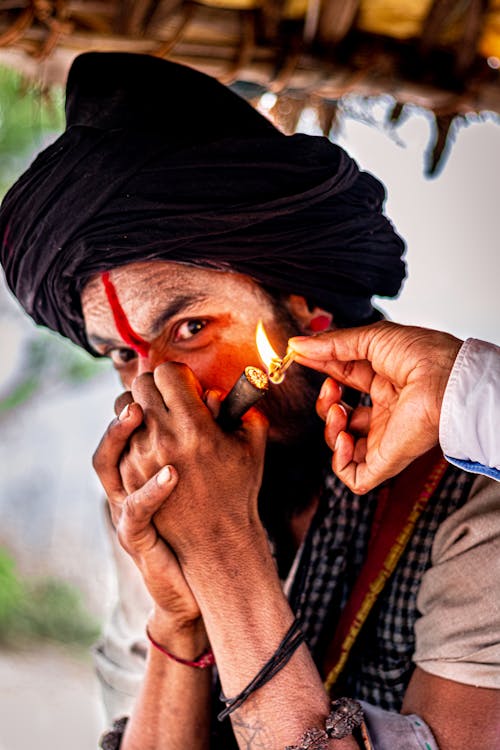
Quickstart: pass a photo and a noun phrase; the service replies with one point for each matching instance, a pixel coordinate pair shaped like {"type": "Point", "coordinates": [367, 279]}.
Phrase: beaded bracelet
{"type": "Point", "coordinates": [204, 660]}
{"type": "Point", "coordinates": [346, 715]}
{"type": "Point", "coordinates": [113, 739]}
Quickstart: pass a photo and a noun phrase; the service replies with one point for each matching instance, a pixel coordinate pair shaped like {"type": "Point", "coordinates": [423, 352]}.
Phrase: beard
{"type": "Point", "coordinates": [295, 461]}
{"type": "Point", "coordinates": [297, 456]}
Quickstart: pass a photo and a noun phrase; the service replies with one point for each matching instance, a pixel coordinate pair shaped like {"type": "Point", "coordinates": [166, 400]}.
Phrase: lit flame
{"type": "Point", "coordinates": [275, 366]}
{"type": "Point", "coordinates": [266, 351]}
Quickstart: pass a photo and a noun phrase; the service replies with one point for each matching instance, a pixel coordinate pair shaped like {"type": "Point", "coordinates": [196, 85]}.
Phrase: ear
{"type": "Point", "coordinates": [310, 319]}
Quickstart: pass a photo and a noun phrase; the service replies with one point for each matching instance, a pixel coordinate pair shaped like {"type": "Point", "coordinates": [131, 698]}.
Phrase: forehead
{"type": "Point", "coordinates": [145, 289]}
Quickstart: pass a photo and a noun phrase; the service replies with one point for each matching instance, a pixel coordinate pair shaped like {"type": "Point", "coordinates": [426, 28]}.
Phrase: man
{"type": "Point", "coordinates": [424, 385]}
{"type": "Point", "coordinates": [158, 243]}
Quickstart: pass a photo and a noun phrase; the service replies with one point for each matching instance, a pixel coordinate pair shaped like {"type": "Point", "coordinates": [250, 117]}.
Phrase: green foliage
{"type": "Point", "coordinates": [53, 610]}
{"type": "Point", "coordinates": [45, 608]}
{"type": "Point", "coordinates": [77, 365]}
{"type": "Point", "coordinates": [27, 117]}
{"type": "Point", "coordinates": [62, 360]}
{"type": "Point", "coordinates": [50, 359]}
{"type": "Point", "coordinates": [19, 394]}
{"type": "Point", "coordinates": [11, 594]}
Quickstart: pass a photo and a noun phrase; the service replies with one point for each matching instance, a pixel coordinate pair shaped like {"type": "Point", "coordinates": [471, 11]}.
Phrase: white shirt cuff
{"type": "Point", "coordinates": [470, 413]}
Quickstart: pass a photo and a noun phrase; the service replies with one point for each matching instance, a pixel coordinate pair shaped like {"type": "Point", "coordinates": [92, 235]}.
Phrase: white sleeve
{"type": "Point", "coordinates": [120, 654]}
{"type": "Point", "coordinates": [458, 633]}
{"type": "Point", "coordinates": [388, 730]}
{"type": "Point", "coordinates": [469, 428]}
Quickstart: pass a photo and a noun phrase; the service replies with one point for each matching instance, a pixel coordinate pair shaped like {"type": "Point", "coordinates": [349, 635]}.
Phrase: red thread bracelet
{"type": "Point", "coordinates": [204, 660]}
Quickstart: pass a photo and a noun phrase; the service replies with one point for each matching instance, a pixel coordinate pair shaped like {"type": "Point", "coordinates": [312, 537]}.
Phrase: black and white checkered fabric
{"type": "Point", "coordinates": [380, 666]}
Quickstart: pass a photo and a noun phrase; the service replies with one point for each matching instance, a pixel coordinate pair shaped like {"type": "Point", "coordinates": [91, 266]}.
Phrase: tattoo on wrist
{"type": "Point", "coordinates": [251, 734]}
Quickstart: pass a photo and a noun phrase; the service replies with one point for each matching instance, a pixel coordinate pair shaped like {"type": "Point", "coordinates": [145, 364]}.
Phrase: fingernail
{"type": "Point", "coordinates": [164, 475]}
{"type": "Point", "coordinates": [324, 389]}
{"type": "Point", "coordinates": [341, 406]}
{"type": "Point", "coordinates": [124, 413]}
{"type": "Point", "coordinates": [337, 442]}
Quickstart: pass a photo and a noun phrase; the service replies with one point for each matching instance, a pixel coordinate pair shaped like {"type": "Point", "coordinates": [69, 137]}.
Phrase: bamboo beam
{"type": "Point", "coordinates": [336, 19]}
{"type": "Point", "coordinates": [215, 47]}
{"type": "Point", "coordinates": [473, 25]}
{"type": "Point", "coordinates": [437, 17]}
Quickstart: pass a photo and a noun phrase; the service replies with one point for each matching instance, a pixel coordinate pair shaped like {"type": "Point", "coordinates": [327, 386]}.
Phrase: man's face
{"type": "Point", "coordinates": [203, 318]}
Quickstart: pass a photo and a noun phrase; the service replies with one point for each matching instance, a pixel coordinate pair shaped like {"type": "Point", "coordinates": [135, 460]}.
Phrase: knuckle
{"type": "Point", "coordinates": [172, 368]}
{"type": "Point", "coordinates": [131, 509]}
{"type": "Point", "coordinates": [144, 380]}
{"type": "Point", "coordinates": [169, 372]}
{"type": "Point", "coordinates": [164, 446]}
{"type": "Point", "coordinates": [192, 443]}
{"type": "Point", "coordinates": [139, 448]}
{"type": "Point", "coordinates": [123, 537]}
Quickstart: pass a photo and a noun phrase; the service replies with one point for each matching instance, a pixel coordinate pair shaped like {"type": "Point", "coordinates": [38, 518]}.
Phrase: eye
{"type": "Point", "coordinates": [189, 328]}
{"type": "Point", "coordinates": [121, 356]}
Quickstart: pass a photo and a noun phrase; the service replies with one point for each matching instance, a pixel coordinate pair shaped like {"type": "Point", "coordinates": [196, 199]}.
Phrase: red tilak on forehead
{"type": "Point", "coordinates": [123, 327]}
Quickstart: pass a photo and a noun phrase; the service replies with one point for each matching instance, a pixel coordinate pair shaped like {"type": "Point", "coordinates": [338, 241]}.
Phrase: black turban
{"type": "Point", "coordinates": [161, 162]}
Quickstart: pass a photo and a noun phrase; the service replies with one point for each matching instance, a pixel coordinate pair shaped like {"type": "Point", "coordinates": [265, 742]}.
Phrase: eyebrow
{"type": "Point", "coordinates": [179, 303]}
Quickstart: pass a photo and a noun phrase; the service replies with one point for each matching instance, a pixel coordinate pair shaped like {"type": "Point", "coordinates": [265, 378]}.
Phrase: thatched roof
{"type": "Point", "coordinates": [443, 55]}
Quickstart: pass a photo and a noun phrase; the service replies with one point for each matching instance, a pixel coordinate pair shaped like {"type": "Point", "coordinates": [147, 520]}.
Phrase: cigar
{"type": "Point", "coordinates": [251, 386]}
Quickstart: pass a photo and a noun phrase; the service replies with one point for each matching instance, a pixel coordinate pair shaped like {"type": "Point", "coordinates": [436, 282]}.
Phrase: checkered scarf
{"type": "Point", "coordinates": [380, 666]}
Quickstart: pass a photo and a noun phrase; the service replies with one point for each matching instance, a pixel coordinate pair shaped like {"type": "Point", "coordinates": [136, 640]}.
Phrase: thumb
{"type": "Point", "coordinates": [343, 355]}
{"type": "Point", "coordinates": [135, 526]}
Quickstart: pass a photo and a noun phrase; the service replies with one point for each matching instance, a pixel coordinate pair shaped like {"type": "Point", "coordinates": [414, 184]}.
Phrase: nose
{"type": "Point", "coordinates": [144, 364]}
{"type": "Point", "coordinates": [153, 360]}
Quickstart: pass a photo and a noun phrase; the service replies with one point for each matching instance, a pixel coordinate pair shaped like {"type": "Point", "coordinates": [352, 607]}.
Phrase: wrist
{"type": "Point", "coordinates": [226, 547]}
{"type": "Point", "coordinates": [204, 660]}
{"type": "Point", "coordinates": [212, 536]}
{"type": "Point", "coordinates": [185, 638]}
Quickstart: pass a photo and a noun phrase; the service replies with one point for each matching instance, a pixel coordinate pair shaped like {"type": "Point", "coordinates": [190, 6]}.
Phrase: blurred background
{"type": "Point", "coordinates": [410, 89]}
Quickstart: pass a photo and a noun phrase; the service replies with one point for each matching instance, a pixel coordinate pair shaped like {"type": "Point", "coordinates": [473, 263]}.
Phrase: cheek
{"type": "Point", "coordinates": [220, 366]}
{"type": "Point", "coordinates": [219, 370]}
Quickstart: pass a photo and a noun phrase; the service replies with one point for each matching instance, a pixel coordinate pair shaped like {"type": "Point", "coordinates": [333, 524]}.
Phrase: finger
{"type": "Point", "coordinates": [330, 393]}
{"type": "Point", "coordinates": [349, 464]}
{"type": "Point", "coordinates": [342, 345]}
{"type": "Point", "coordinates": [133, 473]}
{"type": "Point", "coordinates": [180, 390]}
{"type": "Point", "coordinates": [121, 402]}
{"type": "Point", "coordinates": [359, 455]}
{"type": "Point", "coordinates": [349, 354]}
{"type": "Point", "coordinates": [106, 458]}
{"type": "Point", "coordinates": [358, 375]}
{"type": "Point", "coordinates": [336, 422]}
{"type": "Point", "coordinates": [344, 465]}
{"type": "Point", "coordinates": [360, 420]}
{"type": "Point", "coordinates": [256, 426]}
{"type": "Point", "coordinates": [136, 531]}
{"type": "Point", "coordinates": [212, 399]}
{"type": "Point", "coordinates": [146, 393]}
